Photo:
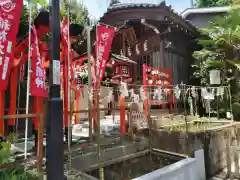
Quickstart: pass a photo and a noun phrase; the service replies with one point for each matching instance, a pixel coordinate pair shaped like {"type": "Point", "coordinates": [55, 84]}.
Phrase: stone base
{"type": "Point", "coordinates": [213, 141]}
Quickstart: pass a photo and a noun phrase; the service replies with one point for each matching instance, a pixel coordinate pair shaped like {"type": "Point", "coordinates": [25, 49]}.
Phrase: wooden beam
{"type": "Point", "coordinates": [20, 116]}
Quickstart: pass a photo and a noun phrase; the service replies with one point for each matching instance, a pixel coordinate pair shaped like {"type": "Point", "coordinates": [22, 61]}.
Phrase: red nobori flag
{"type": "Point", "coordinates": [37, 78]}
{"type": "Point", "coordinates": [10, 13]}
{"type": "Point", "coordinates": [105, 37]}
{"type": "Point", "coordinates": [64, 34]}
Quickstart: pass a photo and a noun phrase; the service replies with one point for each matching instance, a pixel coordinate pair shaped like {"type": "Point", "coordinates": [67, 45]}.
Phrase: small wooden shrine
{"type": "Point", "coordinates": [151, 34]}
{"type": "Point", "coordinates": [122, 68]}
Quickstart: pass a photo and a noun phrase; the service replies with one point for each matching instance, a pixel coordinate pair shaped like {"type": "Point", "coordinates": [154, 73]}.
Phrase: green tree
{"type": "Point", "coordinates": [223, 2]}
{"type": "Point", "coordinates": [113, 2]}
{"type": "Point", "coordinates": [78, 12]}
{"type": "Point", "coordinates": [220, 50]}
{"type": "Point", "coordinates": [213, 3]}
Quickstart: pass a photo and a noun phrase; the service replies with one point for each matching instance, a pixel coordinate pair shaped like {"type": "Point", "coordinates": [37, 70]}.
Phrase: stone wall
{"type": "Point", "coordinates": [185, 169]}
{"type": "Point", "coordinates": [89, 161]}
{"type": "Point", "coordinates": [134, 167]}
{"type": "Point", "coordinates": [214, 142]}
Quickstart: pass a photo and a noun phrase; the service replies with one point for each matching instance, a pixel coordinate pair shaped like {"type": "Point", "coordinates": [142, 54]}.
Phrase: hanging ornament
{"type": "Point", "coordinates": [145, 45]}
{"type": "Point", "coordinates": [122, 52]}
{"type": "Point", "coordinates": [131, 92]}
{"type": "Point", "coordinates": [137, 49]}
{"type": "Point", "coordinates": [206, 95]}
{"type": "Point", "coordinates": [159, 82]}
{"type": "Point", "coordinates": [142, 94]}
{"type": "Point", "coordinates": [166, 90]}
{"type": "Point", "coordinates": [165, 83]}
{"type": "Point", "coordinates": [129, 51]}
{"type": "Point", "coordinates": [193, 91]}
{"type": "Point", "coordinates": [177, 92]}
{"type": "Point", "coordinates": [110, 96]}
{"type": "Point", "coordinates": [203, 92]}
{"type": "Point", "coordinates": [156, 94]}
{"type": "Point", "coordinates": [150, 81]}
{"type": "Point", "coordinates": [124, 89]}
{"type": "Point", "coordinates": [140, 105]}
{"type": "Point", "coordinates": [190, 104]}
{"type": "Point", "coordinates": [160, 94]}
{"type": "Point", "coordinates": [213, 91]}
{"type": "Point", "coordinates": [90, 94]}
{"type": "Point", "coordinates": [218, 91]}
{"type": "Point", "coordinates": [136, 98]}
{"type": "Point", "coordinates": [148, 70]}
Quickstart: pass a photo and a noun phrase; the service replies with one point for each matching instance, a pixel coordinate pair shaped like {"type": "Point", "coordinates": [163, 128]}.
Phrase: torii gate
{"type": "Point", "coordinates": [20, 58]}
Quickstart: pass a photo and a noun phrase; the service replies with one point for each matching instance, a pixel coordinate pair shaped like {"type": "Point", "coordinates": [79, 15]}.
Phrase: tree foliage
{"type": "Point", "coordinates": [14, 172]}
{"type": "Point", "coordinates": [220, 50]}
{"type": "Point", "coordinates": [213, 3]}
{"type": "Point", "coordinates": [113, 2]}
{"type": "Point", "coordinates": [77, 13]}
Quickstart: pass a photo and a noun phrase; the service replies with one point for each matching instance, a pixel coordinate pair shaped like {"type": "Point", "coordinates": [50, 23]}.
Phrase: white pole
{"type": "Point", "coordinates": [89, 78]}
{"type": "Point", "coordinates": [28, 77]}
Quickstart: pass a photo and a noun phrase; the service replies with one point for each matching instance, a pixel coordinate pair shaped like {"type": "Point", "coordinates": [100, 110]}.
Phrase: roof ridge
{"type": "Point", "coordinates": [189, 11]}
{"type": "Point", "coordinates": [162, 4]}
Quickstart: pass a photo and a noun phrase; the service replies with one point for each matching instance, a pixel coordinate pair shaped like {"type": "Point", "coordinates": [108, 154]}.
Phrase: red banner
{"type": "Point", "coordinates": [64, 33]}
{"type": "Point", "coordinates": [10, 13]}
{"type": "Point", "coordinates": [157, 78]}
{"type": "Point", "coordinates": [37, 77]}
{"type": "Point", "coordinates": [105, 37]}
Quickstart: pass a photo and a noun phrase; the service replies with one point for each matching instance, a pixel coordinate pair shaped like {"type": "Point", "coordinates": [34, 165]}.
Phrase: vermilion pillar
{"type": "Point", "coordinates": [65, 91]}
{"type": "Point", "coordinates": [76, 106]}
{"type": "Point", "coordinates": [2, 106]}
{"type": "Point", "coordinates": [37, 109]}
{"type": "Point", "coordinates": [13, 96]}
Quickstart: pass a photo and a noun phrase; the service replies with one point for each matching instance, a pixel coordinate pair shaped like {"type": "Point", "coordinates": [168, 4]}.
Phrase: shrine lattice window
{"type": "Point", "coordinates": [145, 59]}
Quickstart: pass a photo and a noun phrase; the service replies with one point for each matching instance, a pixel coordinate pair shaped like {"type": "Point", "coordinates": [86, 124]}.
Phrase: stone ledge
{"type": "Point", "coordinates": [90, 160]}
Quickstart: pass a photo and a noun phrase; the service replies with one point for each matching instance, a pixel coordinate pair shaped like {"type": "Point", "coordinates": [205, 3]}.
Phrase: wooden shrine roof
{"type": "Point", "coordinates": [160, 8]}
{"type": "Point", "coordinates": [125, 14]}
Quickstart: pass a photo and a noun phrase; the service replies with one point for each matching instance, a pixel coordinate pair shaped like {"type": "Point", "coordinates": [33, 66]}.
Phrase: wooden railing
{"type": "Point", "coordinates": [39, 158]}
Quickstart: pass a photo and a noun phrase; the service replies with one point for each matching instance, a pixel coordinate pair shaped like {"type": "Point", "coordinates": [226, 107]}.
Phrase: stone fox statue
{"type": "Point", "coordinates": [136, 120]}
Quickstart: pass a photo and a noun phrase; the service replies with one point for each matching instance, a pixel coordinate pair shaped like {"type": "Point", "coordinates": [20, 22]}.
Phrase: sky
{"type": "Point", "coordinates": [97, 8]}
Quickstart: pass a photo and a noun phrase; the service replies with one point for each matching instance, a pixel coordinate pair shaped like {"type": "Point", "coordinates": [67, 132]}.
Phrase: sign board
{"type": "Point", "coordinates": [56, 72]}
{"type": "Point", "coordinates": [215, 76]}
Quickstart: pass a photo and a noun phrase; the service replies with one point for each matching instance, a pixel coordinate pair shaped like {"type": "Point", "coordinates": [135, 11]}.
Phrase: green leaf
{"type": "Point", "coordinates": [234, 63]}
{"type": "Point", "coordinates": [206, 42]}
{"type": "Point", "coordinates": [43, 3]}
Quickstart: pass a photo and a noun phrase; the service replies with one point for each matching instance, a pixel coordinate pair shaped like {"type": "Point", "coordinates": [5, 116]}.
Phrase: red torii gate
{"type": "Point", "coordinates": [20, 58]}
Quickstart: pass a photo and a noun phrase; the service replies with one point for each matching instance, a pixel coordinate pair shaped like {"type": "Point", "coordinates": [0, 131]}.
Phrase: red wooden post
{"type": "Point", "coordinates": [2, 106]}
{"type": "Point", "coordinates": [146, 101]}
{"type": "Point", "coordinates": [37, 109]}
{"type": "Point", "coordinates": [13, 95]}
